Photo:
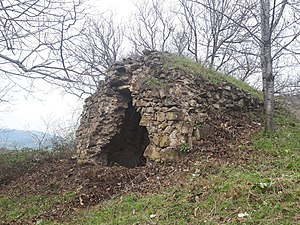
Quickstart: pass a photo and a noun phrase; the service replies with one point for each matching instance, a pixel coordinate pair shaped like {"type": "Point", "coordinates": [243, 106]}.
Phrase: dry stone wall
{"type": "Point", "coordinates": [144, 110]}
{"type": "Point", "coordinates": [292, 103]}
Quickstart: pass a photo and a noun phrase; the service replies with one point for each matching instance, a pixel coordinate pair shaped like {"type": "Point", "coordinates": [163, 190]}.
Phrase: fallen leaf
{"type": "Point", "coordinates": [152, 216]}
{"type": "Point", "coordinates": [242, 215]}
{"type": "Point", "coordinates": [197, 212]}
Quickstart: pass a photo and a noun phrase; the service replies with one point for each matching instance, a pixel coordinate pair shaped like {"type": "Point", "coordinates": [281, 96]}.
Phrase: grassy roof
{"type": "Point", "coordinates": [196, 69]}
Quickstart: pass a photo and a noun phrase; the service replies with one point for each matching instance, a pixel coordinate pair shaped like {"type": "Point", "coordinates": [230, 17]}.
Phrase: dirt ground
{"type": "Point", "coordinates": [94, 184]}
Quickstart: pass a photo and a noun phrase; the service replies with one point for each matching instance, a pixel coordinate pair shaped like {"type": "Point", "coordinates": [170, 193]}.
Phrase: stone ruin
{"type": "Point", "coordinates": [144, 110]}
{"type": "Point", "coordinates": [291, 103]}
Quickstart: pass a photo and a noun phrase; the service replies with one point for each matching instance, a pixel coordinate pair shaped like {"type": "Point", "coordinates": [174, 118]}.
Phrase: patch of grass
{"type": "Point", "coordinates": [225, 195]}
{"type": "Point", "coordinates": [282, 148]}
{"type": "Point", "coordinates": [184, 148]}
{"type": "Point", "coordinates": [235, 195]}
{"type": "Point", "coordinates": [30, 206]}
{"type": "Point", "coordinates": [191, 67]}
{"type": "Point", "coordinates": [154, 82]}
{"type": "Point", "coordinates": [165, 208]}
{"type": "Point", "coordinates": [196, 69]}
{"type": "Point", "coordinates": [285, 142]}
{"type": "Point", "coordinates": [244, 86]}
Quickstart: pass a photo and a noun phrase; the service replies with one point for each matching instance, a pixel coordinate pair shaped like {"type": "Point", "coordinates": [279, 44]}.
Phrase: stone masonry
{"type": "Point", "coordinates": [144, 110]}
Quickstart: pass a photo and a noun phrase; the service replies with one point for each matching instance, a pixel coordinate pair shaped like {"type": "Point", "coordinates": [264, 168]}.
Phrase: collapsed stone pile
{"type": "Point", "coordinates": [145, 110]}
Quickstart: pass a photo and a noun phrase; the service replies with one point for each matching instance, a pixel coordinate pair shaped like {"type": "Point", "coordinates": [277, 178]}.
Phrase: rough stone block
{"type": "Point", "coordinates": [160, 116]}
{"type": "Point", "coordinates": [169, 154]}
{"type": "Point", "coordinates": [151, 152]}
{"type": "Point", "coordinates": [173, 139]}
{"type": "Point", "coordinates": [174, 116]}
{"type": "Point", "coordinates": [164, 141]}
{"type": "Point", "coordinates": [185, 129]}
{"type": "Point", "coordinates": [197, 134]}
{"type": "Point", "coordinates": [155, 139]}
{"type": "Point", "coordinates": [162, 125]}
{"type": "Point", "coordinates": [145, 120]}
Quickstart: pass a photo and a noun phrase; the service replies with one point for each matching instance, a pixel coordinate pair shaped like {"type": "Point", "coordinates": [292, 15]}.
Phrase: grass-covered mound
{"type": "Point", "coordinates": [196, 69]}
{"type": "Point", "coordinates": [243, 176]}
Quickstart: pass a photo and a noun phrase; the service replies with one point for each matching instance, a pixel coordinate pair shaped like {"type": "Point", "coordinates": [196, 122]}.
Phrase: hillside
{"type": "Point", "coordinates": [236, 175]}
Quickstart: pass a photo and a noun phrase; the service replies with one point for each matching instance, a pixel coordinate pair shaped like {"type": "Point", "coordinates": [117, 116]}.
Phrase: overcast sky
{"type": "Point", "coordinates": [27, 112]}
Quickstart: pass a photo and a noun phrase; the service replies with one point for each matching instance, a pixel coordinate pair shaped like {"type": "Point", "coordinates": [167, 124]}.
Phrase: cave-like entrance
{"type": "Point", "coordinates": [127, 147]}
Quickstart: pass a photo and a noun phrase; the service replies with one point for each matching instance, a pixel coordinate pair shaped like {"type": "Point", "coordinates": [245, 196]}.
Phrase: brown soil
{"type": "Point", "coordinates": [94, 184]}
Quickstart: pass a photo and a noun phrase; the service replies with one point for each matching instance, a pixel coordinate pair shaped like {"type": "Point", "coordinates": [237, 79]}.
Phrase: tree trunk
{"type": "Point", "coordinates": [266, 66]}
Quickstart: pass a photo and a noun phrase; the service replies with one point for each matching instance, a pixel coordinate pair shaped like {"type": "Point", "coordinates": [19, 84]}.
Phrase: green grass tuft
{"type": "Point", "coordinates": [154, 82]}
{"type": "Point", "coordinates": [285, 142]}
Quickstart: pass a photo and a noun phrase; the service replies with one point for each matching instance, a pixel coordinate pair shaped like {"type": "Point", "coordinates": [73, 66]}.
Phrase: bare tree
{"type": "Point", "coordinates": [191, 16]}
{"type": "Point", "coordinates": [179, 41]}
{"type": "Point", "coordinates": [244, 63]}
{"type": "Point", "coordinates": [40, 139]}
{"type": "Point", "coordinates": [279, 29]}
{"type": "Point", "coordinates": [33, 36]}
{"type": "Point", "coordinates": [63, 131]}
{"type": "Point", "coordinates": [152, 26]}
{"type": "Point", "coordinates": [212, 36]}
{"type": "Point", "coordinates": [274, 27]}
{"type": "Point", "coordinates": [98, 46]}
{"type": "Point", "coordinates": [5, 88]}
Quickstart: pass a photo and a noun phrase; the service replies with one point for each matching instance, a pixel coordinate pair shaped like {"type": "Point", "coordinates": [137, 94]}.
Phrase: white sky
{"type": "Point", "coordinates": [27, 112]}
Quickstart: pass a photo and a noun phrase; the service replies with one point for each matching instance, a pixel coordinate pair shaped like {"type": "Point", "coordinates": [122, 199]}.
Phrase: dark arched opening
{"type": "Point", "coordinates": [127, 147]}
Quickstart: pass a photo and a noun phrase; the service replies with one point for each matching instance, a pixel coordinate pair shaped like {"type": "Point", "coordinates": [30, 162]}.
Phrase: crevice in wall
{"type": "Point", "coordinates": [127, 147]}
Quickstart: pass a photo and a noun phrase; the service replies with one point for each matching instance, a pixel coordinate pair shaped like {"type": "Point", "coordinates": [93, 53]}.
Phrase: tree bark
{"type": "Point", "coordinates": [266, 65]}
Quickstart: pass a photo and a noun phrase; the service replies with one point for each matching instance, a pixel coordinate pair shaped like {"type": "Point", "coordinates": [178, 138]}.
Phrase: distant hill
{"type": "Point", "coordinates": [17, 139]}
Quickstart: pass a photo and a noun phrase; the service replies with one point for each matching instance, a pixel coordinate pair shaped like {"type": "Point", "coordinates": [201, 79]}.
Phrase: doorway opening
{"type": "Point", "coordinates": [127, 147]}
